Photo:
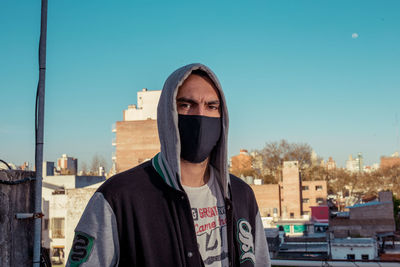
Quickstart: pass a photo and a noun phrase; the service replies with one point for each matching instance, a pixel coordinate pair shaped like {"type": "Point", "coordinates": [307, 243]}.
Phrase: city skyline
{"type": "Point", "coordinates": [320, 73]}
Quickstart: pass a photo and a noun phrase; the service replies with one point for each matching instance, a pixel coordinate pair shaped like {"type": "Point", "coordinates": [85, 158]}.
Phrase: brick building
{"type": "Point", "coordinates": [292, 198]}
{"type": "Point", "coordinates": [136, 137]}
{"type": "Point", "coordinates": [387, 162]}
{"type": "Point", "coordinates": [365, 219]}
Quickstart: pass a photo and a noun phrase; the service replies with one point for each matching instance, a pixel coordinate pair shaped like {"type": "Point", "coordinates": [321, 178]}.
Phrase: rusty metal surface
{"type": "Point", "coordinates": [16, 236]}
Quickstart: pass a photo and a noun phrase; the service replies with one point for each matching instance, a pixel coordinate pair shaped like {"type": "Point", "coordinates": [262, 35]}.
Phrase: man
{"type": "Point", "coordinates": [182, 208]}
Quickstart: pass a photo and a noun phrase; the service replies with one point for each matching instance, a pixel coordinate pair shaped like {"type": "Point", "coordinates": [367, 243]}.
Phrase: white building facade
{"type": "Point", "coordinates": [64, 199]}
{"type": "Point", "coordinates": [146, 107]}
{"type": "Point", "coordinates": [354, 249]}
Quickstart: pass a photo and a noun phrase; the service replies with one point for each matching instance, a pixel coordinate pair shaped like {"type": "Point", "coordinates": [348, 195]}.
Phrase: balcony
{"type": "Point", "coordinates": [114, 141]}
{"type": "Point", "coordinates": [114, 128]}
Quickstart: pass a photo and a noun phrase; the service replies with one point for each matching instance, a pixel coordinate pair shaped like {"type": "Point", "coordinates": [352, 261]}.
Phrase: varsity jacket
{"type": "Point", "coordinates": [143, 217]}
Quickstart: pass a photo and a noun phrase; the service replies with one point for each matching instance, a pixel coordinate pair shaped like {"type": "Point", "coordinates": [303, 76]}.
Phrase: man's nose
{"type": "Point", "coordinates": [200, 110]}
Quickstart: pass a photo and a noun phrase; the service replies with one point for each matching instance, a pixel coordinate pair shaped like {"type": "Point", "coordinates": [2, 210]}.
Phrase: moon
{"type": "Point", "coordinates": [354, 35]}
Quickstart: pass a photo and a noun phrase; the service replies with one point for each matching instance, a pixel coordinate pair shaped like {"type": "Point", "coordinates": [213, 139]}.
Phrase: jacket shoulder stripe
{"type": "Point", "coordinates": [156, 166]}
{"type": "Point", "coordinates": [165, 171]}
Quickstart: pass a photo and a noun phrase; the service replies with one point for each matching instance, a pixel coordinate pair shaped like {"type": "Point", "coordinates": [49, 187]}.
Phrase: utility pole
{"type": "Point", "coordinates": [39, 129]}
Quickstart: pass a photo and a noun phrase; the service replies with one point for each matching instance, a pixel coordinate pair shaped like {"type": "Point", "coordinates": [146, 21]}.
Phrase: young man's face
{"type": "Point", "coordinates": [198, 96]}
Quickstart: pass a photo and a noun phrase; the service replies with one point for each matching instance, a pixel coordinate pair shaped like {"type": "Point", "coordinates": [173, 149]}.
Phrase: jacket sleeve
{"type": "Point", "coordinates": [261, 247]}
{"type": "Point", "coordinates": [96, 236]}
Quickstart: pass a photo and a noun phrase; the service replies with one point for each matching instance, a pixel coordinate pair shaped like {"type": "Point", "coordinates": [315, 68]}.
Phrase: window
{"type": "Point", "coordinates": [351, 256]}
{"type": "Point", "coordinates": [306, 200]}
{"type": "Point", "coordinates": [318, 188]}
{"type": "Point", "coordinates": [57, 228]}
{"type": "Point", "coordinates": [46, 224]}
{"type": "Point", "coordinates": [364, 257]}
{"type": "Point", "coordinates": [304, 187]}
{"type": "Point", "coordinates": [291, 215]}
{"type": "Point", "coordinates": [306, 213]}
{"type": "Point", "coordinates": [319, 200]}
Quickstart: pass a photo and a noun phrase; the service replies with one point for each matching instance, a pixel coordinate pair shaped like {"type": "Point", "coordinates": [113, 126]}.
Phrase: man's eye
{"type": "Point", "coordinates": [213, 107]}
{"type": "Point", "coordinates": [184, 105]}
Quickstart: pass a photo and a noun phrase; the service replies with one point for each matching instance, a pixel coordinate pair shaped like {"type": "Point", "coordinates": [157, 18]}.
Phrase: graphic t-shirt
{"type": "Point", "coordinates": [208, 210]}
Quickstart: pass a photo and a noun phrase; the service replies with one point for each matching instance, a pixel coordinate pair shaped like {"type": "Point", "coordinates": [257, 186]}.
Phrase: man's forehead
{"type": "Point", "coordinates": [196, 86]}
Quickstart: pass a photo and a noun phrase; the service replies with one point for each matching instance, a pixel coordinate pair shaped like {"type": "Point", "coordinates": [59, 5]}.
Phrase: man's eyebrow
{"type": "Point", "coordinates": [213, 102]}
{"type": "Point", "coordinates": [191, 101]}
{"type": "Point", "coordinates": [184, 99]}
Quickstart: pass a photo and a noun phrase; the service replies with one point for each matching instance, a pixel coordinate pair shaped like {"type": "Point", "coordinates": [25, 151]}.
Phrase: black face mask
{"type": "Point", "coordinates": [199, 135]}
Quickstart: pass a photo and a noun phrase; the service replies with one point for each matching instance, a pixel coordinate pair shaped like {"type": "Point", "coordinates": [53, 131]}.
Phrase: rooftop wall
{"type": "Point", "coordinates": [267, 197]}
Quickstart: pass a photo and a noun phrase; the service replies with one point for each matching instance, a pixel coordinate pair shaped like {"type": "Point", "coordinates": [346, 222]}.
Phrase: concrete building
{"type": "Point", "coordinates": [354, 249]}
{"type": "Point", "coordinates": [289, 203]}
{"type": "Point", "coordinates": [64, 198]}
{"type": "Point", "coordinates": [330, 164]}
{"type": "Point", "coordinates": [365, 220]}
{"type": "Point", "coordinates": [355, 164]}
{"type": "Point", "coordinates": [146, 107]}
{"type": "Point", "coordinates": [136, 137]}
{"type": "Point", "coordinates": [371, 168]}
{"type": "Point", "coordinates": [73, 181]}
{"type": "Point", "coordinates": [48, 168]}
{"type": "Point", "coordinates": [291, 191]}
{"type": "Point", "coordinates": [67, 165]}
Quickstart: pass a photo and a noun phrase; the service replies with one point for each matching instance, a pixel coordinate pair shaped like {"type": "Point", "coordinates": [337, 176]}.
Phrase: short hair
{"type": "Point", "coordinates": [204, 75]}
{"type": "Point", "coordinates": [201, 73]}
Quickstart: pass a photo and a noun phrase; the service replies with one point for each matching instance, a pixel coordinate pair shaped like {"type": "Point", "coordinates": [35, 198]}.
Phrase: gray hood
{"type": "Point", "coordinates": [168, 161]}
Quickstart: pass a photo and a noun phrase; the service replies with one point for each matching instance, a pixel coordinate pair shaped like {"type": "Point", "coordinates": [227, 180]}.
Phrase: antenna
{"type": "Point", "coordinates": [397, 129]}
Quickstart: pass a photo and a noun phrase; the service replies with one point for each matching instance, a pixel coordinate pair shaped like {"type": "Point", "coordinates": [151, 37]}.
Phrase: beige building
{"type": "Point", "coordinates": [292, 198]}
{"type": "Point", "coordinates": [67, 165]}
{"type": "Point", "coordinates": [136, 136]}
{"type": "Point", "coordinates": [330, 164]}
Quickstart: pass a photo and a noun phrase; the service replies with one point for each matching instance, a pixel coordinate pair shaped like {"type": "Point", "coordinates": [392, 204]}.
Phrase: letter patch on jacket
{"type": "Point", "coordinates": [81, 249]}
{"type": "Point", "coordinates": [246, 241]}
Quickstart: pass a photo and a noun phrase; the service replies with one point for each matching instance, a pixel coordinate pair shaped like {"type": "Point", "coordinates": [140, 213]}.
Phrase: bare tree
{"type": "Point", "coordinates": [94, 165]}
{"type": "Point", "coordinates": [97, 161]}
{"type": "Point", "coordinates": [84, 168]}
{"type": "Point", "coordinates": [275, 153]}
{"type": "Point", "coordinates": [314, 173]}
{"type": "Point", "coordinates": [389, 178]}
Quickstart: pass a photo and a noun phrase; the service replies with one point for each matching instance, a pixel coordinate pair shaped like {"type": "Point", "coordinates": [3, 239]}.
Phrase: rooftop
{"type": "Point", "coordinates": [372, 203]}
{"type": "Point", "coordinates": [352, 241]}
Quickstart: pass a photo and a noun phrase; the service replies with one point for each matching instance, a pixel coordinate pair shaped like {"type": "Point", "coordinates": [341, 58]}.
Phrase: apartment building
{"type": "Point", "coordinates": [136, 136]}
{"type": "Point", "coordinates": [290, 202]}
{"type": "Point", "coordinates": [67, 165]}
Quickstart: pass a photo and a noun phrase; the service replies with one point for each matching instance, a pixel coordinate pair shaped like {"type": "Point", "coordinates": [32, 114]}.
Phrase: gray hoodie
{"type": "Point", "coordinates": [117, 223]}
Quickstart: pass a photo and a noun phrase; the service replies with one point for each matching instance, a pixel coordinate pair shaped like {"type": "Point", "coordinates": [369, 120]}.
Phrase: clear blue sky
{"type": "Point", "coordinates": [290, 69]}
